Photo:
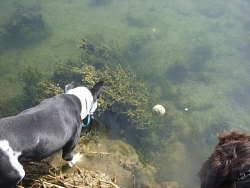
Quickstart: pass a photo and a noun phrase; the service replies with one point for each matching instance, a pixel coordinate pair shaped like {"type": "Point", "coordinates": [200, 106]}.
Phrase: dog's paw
{"type": "Point", "coordinates": [77, 157]}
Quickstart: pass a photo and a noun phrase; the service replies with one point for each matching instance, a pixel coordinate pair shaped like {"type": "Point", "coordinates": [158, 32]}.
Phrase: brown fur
{"type": "Point", "coordinates": [230, 157]}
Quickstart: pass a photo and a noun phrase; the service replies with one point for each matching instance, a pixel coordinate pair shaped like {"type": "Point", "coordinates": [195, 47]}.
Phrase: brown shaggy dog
{"type": "Point", "coordinates": [229, 164]}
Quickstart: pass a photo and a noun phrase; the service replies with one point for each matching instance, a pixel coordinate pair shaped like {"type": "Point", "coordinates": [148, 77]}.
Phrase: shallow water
{"type": "Point", "coordinates": [201, 48]}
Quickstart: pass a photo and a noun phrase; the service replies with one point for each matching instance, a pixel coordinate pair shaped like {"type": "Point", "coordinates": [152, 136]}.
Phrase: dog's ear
{"type": "Point", "coordinates": [96, 90]}
{"type": "Point", "coordinates": [70, 86]}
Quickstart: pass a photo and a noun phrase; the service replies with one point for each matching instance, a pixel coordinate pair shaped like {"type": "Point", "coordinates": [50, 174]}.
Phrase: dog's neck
{"type": "Point", "coordinates": [86, 98]}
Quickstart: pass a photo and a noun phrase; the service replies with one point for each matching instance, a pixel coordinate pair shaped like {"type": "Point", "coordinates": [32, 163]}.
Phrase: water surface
{"type": "Point", "coordinates": [200, 48]}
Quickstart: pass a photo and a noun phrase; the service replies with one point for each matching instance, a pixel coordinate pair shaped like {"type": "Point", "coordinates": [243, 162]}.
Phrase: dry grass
{"type": "Point", "coordinates": [45, 175]}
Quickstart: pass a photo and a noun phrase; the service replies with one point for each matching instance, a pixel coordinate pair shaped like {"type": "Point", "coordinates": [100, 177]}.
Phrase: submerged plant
{"type": "Point", "coordinates": [36, 89]}
{"type": "Point", "coordinates": [26, 27]}
{"type": "Point", "coordinates": [137, 21]}
{"type": "Point", "coordinates": [125, 104]}
{"type": "Point", "coordinates": [177, 73]}
{"type": "Point", "coordinates": [199, 56]}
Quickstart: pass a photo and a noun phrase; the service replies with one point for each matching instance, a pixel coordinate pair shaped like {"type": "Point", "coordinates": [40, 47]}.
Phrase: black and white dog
{"type": "Point", "coordinates": [43, 130]}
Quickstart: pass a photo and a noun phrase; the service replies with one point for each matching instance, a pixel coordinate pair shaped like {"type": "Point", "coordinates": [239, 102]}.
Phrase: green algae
{"type": "Point", "coordinates": [11, 106]}
{"type": "Point", "coordinates": [27, 26]}
{"type": "Point", "coordinates": [177, 73]}
{"type": "Point", "coordinates": [37, 88]}
{"type": "Point", "coordinates": [137, 21]}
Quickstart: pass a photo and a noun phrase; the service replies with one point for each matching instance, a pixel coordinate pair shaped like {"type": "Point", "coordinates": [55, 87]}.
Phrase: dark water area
{"type": "Point", "coordinates": [191, 56]}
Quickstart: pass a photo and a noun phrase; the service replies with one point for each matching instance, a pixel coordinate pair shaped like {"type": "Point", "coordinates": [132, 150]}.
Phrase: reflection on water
{"type": "Point", "coordinates": [191, 54]}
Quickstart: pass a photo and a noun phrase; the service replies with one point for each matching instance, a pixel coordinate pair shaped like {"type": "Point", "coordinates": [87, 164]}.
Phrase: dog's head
{"type": "Point", "coordinates": [230, 157]}
{"type": "Point", "coordinates": [88, 97]}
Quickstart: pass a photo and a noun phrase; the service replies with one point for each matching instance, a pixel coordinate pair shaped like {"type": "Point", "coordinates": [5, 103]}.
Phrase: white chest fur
{"type": "Point", "coordinates": [12, 157]}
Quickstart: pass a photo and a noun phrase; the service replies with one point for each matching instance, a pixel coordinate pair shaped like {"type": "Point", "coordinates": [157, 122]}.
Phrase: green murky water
{"type": "Point", "coordinates": [191, 55]}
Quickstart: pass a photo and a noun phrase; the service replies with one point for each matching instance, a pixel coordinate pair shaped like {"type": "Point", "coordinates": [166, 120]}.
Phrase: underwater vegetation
{"type": "Point", "coordinates": [217, 125]}
{"type": "Point", "coordinates": [177, 72]}
{"type": "Point", "coordinates": [126, 99]}
{"type": "Point", "coordinates": [203, 77]}
{"type": "Point", "coordinates": [125, 103]}
{"type": "Point", "coordinates": [26, 27]}
{"type": "Point", "coordinates": [164, 89]}
{"type": "Point", "coordinates": [11, 106]}
{"type": "Point", "coordinates": [122, 93]}
{"type": "Point", "coordinates": [198, 67]}
{"type": "Point", "coordinates": [100, 52]}
{"type": "Point", "coordinates": [87, 46]}
{"type": "Point", "coordinates": [200, 106]}
{"type": "Point", "coordinates": [137, 21]}
{"type": "Point", "coordinates": [36, 88]}
{"type": "Point", "coordinates": [65, 73]}
{"type": "Point", "coordinates": [199, 56]}
{"type": "Point", "coordinates": [134, 47]}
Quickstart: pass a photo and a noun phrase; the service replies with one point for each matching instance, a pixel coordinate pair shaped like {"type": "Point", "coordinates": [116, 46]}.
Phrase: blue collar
{"type": "Point", "coordinates": [83, 125]}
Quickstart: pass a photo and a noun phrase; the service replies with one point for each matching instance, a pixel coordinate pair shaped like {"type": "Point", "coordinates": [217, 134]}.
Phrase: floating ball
{"type": "Point", "coordinates": [158, 110]}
